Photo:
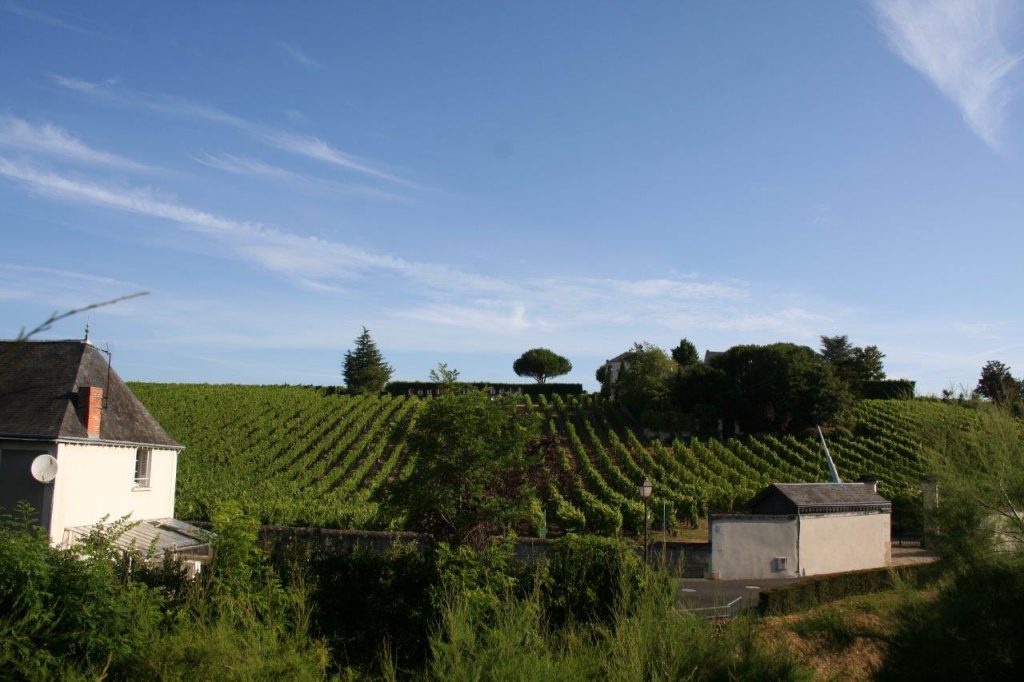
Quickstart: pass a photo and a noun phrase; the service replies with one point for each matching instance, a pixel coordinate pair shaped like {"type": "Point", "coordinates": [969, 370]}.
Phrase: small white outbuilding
{"type": "Point", "coordinates": [802, 529]}
{"type": "Point", "coordinates": [107, 455]}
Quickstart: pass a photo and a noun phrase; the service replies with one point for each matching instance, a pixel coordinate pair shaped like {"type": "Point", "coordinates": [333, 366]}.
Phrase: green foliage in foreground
{"type": "Point", "coordinates": [70, 616]}
{"type": "Point", "coordinates": [648, 638]}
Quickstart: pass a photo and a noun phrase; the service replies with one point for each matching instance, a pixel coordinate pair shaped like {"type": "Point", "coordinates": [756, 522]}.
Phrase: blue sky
{"type": "Point", "coordinates": [470, 180]}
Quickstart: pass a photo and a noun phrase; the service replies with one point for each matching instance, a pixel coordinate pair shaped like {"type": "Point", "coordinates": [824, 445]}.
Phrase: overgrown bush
{"type": "Point", "coordinates": [973, 630]}
{"type": "Point", "coordinates": [589, 577]}
{"type": "Point", "coordinates": [365, 598]}
{"type": "Point", "coordinates": [57, 611]}
{"type": "Point", "coordinates": [645, 637]}
{"type": "Point", "coordinates": [80, 613]}
{"type": "Point", "coordinates": [818, 590]}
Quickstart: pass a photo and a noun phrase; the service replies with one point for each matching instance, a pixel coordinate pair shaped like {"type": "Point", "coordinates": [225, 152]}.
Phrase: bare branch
{"type": "Point", "coordinates": [56, 316]}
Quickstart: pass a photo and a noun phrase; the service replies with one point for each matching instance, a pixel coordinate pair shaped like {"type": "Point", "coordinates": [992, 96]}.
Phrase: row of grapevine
{"type": "Point", "coordinates": [304, 455]}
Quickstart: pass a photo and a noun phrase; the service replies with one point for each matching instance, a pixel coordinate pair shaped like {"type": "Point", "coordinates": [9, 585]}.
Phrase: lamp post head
{"type": "Point", "coordinates": [646, 488]}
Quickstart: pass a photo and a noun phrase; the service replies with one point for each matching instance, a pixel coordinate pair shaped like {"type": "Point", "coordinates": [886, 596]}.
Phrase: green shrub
{"type": "Point", "coordinates": [57, 609]}
{"type": "Point", "coordinates": [812, 592]}
{"type": "Point", "coordinates": [645, 637]}
{"type": "Point", "coordinates": [886, 389]}
{"type": "Point", "coordinates": [364, 598]}
{"type": "Point", "coordinates": [588, 577]}
{"type": "Point", "coordinates": [74, 614]}
{"type": "Point", "coordinates": [973, 630]}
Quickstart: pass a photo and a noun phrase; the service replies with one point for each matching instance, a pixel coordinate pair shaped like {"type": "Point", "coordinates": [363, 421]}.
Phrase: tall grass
{"type": "Point", "coordinates": [648, 638]}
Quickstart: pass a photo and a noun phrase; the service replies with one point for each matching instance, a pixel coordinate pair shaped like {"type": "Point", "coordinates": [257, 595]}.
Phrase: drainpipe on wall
{"type": "Point", "coordinates": [798, 544]}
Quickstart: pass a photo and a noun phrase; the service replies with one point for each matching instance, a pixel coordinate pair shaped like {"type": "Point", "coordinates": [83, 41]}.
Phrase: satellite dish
{"type": "Point", "coordinates": [44, 468]}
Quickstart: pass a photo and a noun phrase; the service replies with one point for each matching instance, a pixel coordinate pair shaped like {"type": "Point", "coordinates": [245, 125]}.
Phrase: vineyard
{"type": "Point", "coordinates": [309, 456]}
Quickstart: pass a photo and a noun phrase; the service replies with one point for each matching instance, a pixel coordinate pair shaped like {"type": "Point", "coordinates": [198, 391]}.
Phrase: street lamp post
{"type": "Point", "coordinates": [645, 492]}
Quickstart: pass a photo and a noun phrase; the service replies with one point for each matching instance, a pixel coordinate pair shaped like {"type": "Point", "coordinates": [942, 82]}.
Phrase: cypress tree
{"type": "Point", "coordinates": [364, 369]}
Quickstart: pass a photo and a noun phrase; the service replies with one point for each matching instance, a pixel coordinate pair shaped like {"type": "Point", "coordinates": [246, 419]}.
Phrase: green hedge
{"type": "Point", "coordinates": [812, 592]}
{"type": "Point", "coordinates": [890, 389]}
{"type": "Point", "coordinates": [426, 388]}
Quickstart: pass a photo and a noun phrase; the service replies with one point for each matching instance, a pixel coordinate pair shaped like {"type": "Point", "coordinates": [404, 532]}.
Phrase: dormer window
{"type": "Point", "coordinates": [143, 460]}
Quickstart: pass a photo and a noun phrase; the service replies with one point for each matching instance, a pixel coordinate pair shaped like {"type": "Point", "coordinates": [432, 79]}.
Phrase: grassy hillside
{"type": "Point", "coordinates": [304, 455]}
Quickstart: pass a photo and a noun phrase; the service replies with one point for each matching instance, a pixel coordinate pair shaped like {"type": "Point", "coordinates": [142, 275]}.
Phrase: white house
{"type": "Point", "coordinates": [112, 459]}
{"type": "Point", "coordinates": [799, 529]}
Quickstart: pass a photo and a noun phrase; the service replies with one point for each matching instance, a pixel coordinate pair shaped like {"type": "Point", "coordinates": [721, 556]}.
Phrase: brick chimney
{"type": "Point", "coordinates": [90, 409]}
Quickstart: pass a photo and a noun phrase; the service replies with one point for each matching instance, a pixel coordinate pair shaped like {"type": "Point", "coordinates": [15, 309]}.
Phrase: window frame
{"type": "Point", "coordinates": [142, 477]}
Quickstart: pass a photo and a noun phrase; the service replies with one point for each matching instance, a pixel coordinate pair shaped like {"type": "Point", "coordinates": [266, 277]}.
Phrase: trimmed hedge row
{"type": "Point", "coordinates": [807, 594]}
{"type": "Point", "coordinates": [889, 389]}
{"type": "Point", "coordinates": [425, 388]}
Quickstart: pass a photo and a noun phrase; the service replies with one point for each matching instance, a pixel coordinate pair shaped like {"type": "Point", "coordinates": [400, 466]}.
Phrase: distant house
{"type": "Point", "coordinates": [710, 355]}
{"type": "Point", "coordinates": [110, 457]}
{"type": "Point", "coordinates": [798, 529]}
{"type": "Point", "coordinates": [613, 368]}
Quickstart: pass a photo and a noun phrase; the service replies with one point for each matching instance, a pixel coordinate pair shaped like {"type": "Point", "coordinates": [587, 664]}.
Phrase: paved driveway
{"type": "Point", "coordinates": [695, 593]}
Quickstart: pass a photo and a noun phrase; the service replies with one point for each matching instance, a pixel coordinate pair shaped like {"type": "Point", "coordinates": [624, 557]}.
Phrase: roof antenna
{"type": "Point", "coordinates": [110, 360]}
{"type": "Point", "coordinates": [833, 472]}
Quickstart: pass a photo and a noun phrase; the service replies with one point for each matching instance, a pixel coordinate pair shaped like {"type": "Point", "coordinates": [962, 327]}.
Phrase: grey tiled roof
{"type": "Point", "coordinates": [39, 382]}
{"type": "Point", "coordinates": [830, 494]}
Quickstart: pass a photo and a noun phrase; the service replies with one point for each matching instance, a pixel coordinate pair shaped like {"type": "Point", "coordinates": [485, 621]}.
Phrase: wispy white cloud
{"type": "Point", "coordinates": [958, 45]}
{"type": "Point", "coordinates": [442, 296]}
{"type": "Point", "coordinates": [50, 20]}
{"type": "Point", "coordinates": [242, 165]}
{"type": "Point", "coordinates": [281, 252]}
{"type": "Point", "coordinates": [68, 274]}
{"type": "Point", "coordinates": [48, 139]}
{"type": "Point", "coordinates": [308, 146]}
{"type": "Point", "coordinates": [315, 148]}
{"type": "Point", "coordinates": [300, 57]}
{"type": "Point", "coordinates": [60, 288]}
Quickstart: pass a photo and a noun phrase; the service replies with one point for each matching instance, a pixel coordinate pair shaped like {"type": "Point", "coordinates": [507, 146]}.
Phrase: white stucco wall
{"type": "Point", "coordinates": [96, 480]}
{"type": "Point", "coordinates": [834, 543]}
{"type": "Point", "coordinates": [747, 546]}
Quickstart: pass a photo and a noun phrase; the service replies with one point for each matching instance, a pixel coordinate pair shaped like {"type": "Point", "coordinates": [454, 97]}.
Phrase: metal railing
{"type": "Point", "coordinates": [730, 610]}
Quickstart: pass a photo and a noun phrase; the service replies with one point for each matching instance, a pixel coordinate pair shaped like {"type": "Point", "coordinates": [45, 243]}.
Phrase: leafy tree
{"type": "Point", "coordinates": [444, 375]}
{"type": "Point", "coordinates": [997, 384]}
{"type": "Point", "coordinates": [643, 381]}
{"type": "Point", "coordinates": [471, 477]}
{"type": "Point", "coordinates": [867, 363]}
{"type": "Point", "coordinates": [852, 364]}
{"type": "Point", "coordinates": [364, 368]}
{"type": "Point", "coordinates": [699, 384]}
{"type": "Point", "coordinates": [836, 350]}
{"type": "Point", "coordinates": [685, 354]}
{"type": "Point", "coordinates": [541, 364]}
{"type": "Point", "coordinates": [780, 387]}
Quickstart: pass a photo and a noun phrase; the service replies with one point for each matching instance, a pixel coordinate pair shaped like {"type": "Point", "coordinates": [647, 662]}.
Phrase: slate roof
{"type": "Point", "coordinates": [820, 497]}
{"type": "Point", "coordinates": [39, 383]}
{"type": "Point", "coordinates": [710, 355]}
